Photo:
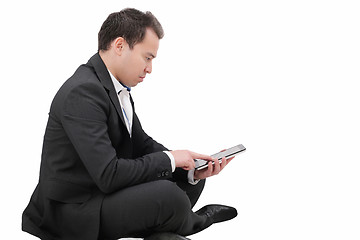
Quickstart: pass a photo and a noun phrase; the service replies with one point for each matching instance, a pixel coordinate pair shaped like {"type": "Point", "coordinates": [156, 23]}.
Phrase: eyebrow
{"type": "Point", "coordinates": [151, 55]}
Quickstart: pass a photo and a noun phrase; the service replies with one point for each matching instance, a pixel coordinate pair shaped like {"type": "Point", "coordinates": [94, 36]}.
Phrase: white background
{"type": "Point", "coordinates": [279, 77]}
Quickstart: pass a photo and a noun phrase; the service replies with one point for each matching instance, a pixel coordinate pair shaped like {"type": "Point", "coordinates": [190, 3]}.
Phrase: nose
{"type": "Point", "coordinates": [148, 68]}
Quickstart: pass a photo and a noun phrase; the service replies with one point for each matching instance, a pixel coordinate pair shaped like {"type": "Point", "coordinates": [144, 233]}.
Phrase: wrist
{"type": "Point", "coordinates": [191, 177]}
{"type": "Point", "coordinates": [172, 160]}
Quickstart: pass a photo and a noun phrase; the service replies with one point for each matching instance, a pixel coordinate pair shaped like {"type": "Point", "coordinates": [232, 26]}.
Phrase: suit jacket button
{"type": "Point", "coordinates": [159, 175]}
{"type": "Point", "coordinates": [167, 173]}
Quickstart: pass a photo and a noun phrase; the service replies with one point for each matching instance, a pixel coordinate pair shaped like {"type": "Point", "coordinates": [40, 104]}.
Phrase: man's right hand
{"type": "Point", "coordinates": [185, 158]}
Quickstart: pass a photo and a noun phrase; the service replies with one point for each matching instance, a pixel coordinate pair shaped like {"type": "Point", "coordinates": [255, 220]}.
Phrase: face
{"type": "Point", "coordinates": [132, 65]}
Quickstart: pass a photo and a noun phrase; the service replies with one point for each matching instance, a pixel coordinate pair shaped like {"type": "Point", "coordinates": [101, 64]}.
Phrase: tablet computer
{"type": "Point", "coordinates": [228, 153]}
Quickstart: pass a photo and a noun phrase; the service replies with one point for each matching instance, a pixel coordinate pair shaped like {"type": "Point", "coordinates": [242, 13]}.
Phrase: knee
{"type": "Point", "coordinates": [174, 199]}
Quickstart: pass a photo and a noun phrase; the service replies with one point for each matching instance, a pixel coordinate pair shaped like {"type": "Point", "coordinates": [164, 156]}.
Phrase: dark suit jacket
{"type": "Point", "coordinates": [88, 153]}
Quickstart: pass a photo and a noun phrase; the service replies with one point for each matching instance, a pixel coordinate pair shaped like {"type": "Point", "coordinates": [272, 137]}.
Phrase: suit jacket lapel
{"type": "Point", "coordinates": [101, 71]}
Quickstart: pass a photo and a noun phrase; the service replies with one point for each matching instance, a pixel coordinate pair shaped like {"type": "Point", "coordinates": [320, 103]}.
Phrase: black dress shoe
{"type": "Point", "coordinates": [166, 236]}
{"type": "Point", "coordinates": [218, 213]}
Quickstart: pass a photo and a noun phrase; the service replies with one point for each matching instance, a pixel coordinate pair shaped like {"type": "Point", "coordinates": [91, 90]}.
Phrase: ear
{"type": "Point", "coordinates": [119, 45]}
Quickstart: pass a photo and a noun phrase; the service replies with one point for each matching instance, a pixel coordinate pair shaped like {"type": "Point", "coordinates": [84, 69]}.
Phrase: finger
{"type": "Point", "coordinates": [229, 159]}
{"type": "Point", "coordinates": [190, 165]}
{"type": "Point", "coordinates": [201, 156]}
{"type": "Point", "coordinates": [216, 167]}
{"type": "Point", "coordinates": [209, 171]}
{"type": "Point", "coordinates": [223, 163]}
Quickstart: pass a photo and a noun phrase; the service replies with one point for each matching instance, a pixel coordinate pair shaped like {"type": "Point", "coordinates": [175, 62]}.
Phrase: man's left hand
{"type": "Point", "coordinates": [212, 169]}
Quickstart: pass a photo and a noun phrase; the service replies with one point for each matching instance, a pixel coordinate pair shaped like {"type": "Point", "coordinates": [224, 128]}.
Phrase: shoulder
{"type": "Point", "coordinates": [84, 76]}
{"type": "Point", "coordinates": [82, 90]}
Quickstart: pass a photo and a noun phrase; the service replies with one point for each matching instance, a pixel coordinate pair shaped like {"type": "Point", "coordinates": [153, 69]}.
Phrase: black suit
{"type": "Point", "coordinates": [88, 155]}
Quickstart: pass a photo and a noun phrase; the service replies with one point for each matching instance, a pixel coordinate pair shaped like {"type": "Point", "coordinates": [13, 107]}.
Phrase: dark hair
{"type": "Point", "coordinates": [129, 23]}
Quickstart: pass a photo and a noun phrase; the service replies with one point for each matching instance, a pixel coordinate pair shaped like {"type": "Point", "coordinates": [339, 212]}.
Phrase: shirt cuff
{"type": "Point", "coordinates": [191, 177]}
{"type": "Point", "coordinates": [172, 160]}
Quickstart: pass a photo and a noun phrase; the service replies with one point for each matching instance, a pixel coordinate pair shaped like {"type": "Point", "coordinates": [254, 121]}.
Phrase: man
{"type": "Point", "coordinates": [101, 175]}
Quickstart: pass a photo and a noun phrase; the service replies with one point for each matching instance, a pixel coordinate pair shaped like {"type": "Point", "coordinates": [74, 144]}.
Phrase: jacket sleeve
{"type": "Point", "coordinates": [149, 145]}
{"type": "Point", "coordinates": [84, 119]}
{"type": "Point", "coordinates": [145, 142]}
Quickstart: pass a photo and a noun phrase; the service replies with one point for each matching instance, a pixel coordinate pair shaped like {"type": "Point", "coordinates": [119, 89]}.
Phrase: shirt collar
{"type": "Point", "coordinates": [118, 85]}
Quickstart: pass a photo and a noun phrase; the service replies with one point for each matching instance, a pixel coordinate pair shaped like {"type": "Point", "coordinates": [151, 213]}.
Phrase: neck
{"type": "Point", "coordinates": [107, 59]}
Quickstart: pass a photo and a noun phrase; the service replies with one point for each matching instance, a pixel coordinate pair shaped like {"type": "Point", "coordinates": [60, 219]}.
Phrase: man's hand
{"type": "Point", "coordinates": [212, 169]}
{"type": "Point", "coordinates": [185, 159]}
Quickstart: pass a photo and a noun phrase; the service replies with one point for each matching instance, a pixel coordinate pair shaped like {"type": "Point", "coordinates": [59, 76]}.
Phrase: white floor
{"type": "Point", "coordinates": [280, 77]}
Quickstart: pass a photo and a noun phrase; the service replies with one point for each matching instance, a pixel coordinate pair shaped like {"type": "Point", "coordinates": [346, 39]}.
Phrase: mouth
{"type": "Point", "coordinates": [142, 78]}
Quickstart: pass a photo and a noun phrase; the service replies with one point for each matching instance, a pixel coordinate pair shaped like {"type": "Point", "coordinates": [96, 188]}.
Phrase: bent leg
{"type": "Point", "coordinates": [192, 191]}
{"type": "Point", "coordinates": [138, 211]}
